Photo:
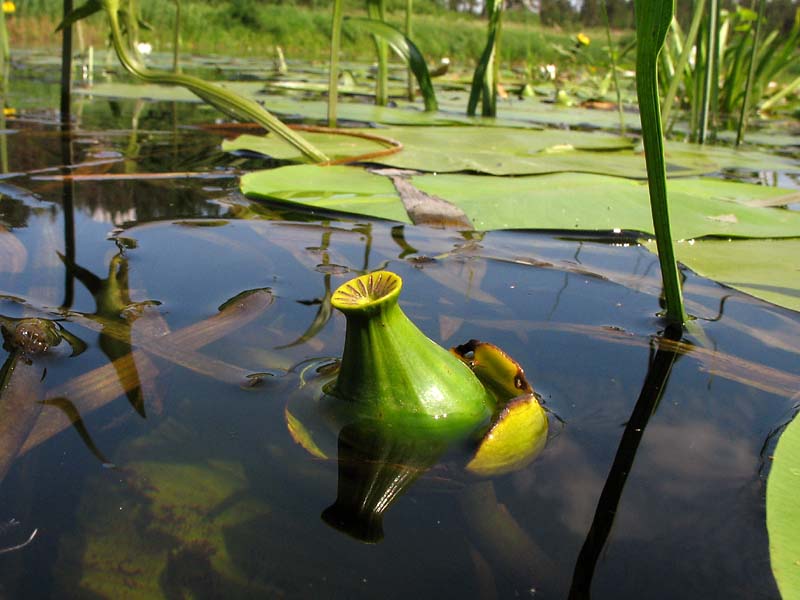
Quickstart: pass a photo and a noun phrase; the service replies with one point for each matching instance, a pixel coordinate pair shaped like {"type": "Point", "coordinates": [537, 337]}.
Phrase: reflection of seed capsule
{"type": "Point", "coordinates": [35, 336]}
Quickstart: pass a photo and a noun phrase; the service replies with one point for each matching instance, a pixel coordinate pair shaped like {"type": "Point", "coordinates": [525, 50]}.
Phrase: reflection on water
{"type": "Point", "coordinates": [205, 492]}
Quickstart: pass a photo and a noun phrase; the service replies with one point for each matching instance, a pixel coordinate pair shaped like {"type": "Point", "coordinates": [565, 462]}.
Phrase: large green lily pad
{"type": "Point", "coordinates": [783, 512]}
{"type": "Point", "coordinates": [768, 269]}
{"type": "Point", "coordinates": [563, 201]}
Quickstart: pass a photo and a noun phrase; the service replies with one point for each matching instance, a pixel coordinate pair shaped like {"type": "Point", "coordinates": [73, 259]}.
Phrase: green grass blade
{"type": "Point", "coordinates": [712, 35]}
{"type": "Point", "coordinates": [176, 42]}
{"type": "Point", "coordinates": [377, 12]}
{"type": "Point", "coordinates": [751, 73]}
{"type": "Point", "coordinates": [683, 59]}
{"type": "Point", "coordinates": [333, 81]}
{"type": "Point", "coordinates": [408, 31]}
{"type": "Point", "coordinates": [653, 18]}
{"type": "Point", "coordinates": [612, 53]}
{"type": "Point", "coordinates": [484, 80]}
{"type": "Point", "coordinates": [406, 49]}
{"type": "Point", "coordinates": [787, 89]}
{"type": "Point", "coordinates": [479, 76]}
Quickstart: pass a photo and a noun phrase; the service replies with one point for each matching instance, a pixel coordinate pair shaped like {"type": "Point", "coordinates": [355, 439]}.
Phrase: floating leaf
{"type": "Point", "coordinates": [332, 188]}
{"type": "Point", "coordinates": [783, 512]}
{"type": "Point", "coordinates": [513, 151]}
{"type": "Point", "coordinates": [565, 201]}
{"type": "Point", "coordinates": [767, 269]}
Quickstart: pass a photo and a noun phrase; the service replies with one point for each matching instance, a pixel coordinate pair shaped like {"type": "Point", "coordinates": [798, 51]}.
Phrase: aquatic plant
{"type": "Point", "coordinates": [721, 69]}
{"type": "Point", "coordinates": [652, 21]}
{"type": "Point", "coordinates": [484, 79]}
{"type": "Point", "coordinates": [122, 21]}
{"type": "Point", "coordinates": [391, 370]}
{"type": "Point", "coordinates": [395, 377]}
{"type": "Point", "coordinates": [398, 401]}
{"type": "Point", "coordinates": [384, 36]}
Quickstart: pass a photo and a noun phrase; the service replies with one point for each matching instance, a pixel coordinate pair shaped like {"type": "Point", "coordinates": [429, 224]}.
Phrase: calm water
{"type": "Point", "coordinates": [189, 484]}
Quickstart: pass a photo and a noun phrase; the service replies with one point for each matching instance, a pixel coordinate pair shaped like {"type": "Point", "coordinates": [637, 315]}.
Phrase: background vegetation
{"type": "Point", "coordinates": [302, 29]}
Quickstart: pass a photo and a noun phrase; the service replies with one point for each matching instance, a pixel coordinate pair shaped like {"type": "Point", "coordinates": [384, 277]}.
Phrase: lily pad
{"type": "Point", "coordinates": [768, 269]}
{"type": "Point", "coordinates": [783, 512]}
{"type": "Point", "coordinates": [331, 188]}
{"type": "Point", "coordinates": [564, 201]}
{"type": "Point", "coordinates": [513, 151]}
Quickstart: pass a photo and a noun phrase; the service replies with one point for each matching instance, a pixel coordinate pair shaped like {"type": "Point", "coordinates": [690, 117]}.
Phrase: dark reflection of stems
{"type": "Point", "coordinates": [652, 390]}
{"type": "Point", "coordinates": [320, 319]}
{"type": "Point", "coordinates": [66, 64]}
{"type": "Point", "coordinates": [366, 230]}
{"type": "Point", "coordinates": [557, 300]}
{"type": "Point", "coordinates": [399, 238]}
{"type": "Point", "coordinates": [325, 310]}
{"type": "Point", "coordinates": [721, 311]}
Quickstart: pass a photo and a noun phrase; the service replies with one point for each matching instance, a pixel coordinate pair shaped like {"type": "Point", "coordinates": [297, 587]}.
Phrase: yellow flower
{"type": "Point", "coordinates": [9, 7]}
{"type": "Point", "coordinates": [583, 39]}
{"type": "Point", "coordinates": [9, 112]}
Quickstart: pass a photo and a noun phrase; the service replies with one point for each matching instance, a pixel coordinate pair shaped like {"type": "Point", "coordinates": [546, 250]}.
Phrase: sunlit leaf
{"type": "Point", "coordinates": [768, 269]}
{"type": "Point", "coordinates": [783, 512]}
{"type": "Point", "coordinates": [513, 151]}
{"type": "Point", "coordinates": [567, 201]}
{"type": "Point", "coordinates": [333, 188]}
{"type": "Point", "coordinates": [516, 438]}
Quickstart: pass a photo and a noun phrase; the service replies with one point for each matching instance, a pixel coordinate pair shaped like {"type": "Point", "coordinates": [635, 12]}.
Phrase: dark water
{"type": "Point", "coordinates": [193, 487]}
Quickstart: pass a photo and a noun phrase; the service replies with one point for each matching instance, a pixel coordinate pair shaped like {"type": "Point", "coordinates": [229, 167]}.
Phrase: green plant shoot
{"type": "Point", "coordinates": [333, 81]}
{"type": "Point", "coordinates": [484, 79]}
{"type": "Point", "coordinates": [408, 51]}
{"type": "Point", "coordinates": [377, 12]}
{"type": "Point", "coordinates": [653, 18]}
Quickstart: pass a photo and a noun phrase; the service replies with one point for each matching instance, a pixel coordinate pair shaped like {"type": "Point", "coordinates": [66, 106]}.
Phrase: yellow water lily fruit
{"type": "Point", "coordinates": [9, 7]}
{"type": "Point", "coordinates": [583, 39]}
